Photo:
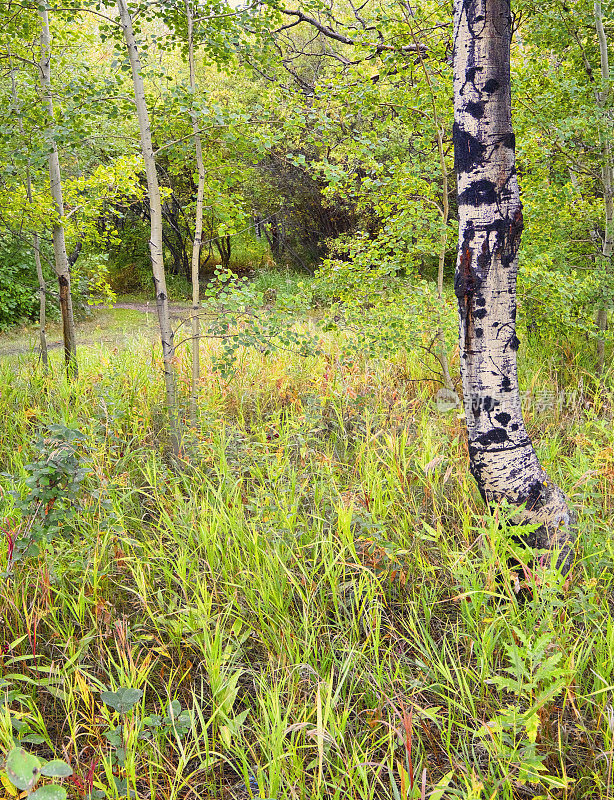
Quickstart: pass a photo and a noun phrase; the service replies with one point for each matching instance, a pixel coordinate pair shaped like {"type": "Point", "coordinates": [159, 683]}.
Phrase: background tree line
{"type": "Point", "coordinates": [319, 130]}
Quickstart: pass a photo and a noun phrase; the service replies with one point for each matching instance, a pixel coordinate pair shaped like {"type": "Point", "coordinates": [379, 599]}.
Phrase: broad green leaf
{"type": "Point", "coordinates": [49, 793]}
{"type": "Point", "coordinates": [56, 769]}
{"type": "Point", "coordinates": [123, 699]}
{"type": "Point", "coordinates": [23, 769]}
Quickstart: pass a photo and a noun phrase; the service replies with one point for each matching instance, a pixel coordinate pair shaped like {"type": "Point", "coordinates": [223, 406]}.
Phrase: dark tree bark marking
{"type": "Point", "coordinates": [502, 459]}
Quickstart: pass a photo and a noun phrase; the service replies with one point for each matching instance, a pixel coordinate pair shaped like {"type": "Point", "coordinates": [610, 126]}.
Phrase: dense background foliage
{"type": "Point", "coordinates": [320, 151]}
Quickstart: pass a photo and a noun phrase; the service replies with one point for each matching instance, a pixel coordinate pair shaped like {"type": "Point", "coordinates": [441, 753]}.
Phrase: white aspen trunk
{"type": "Point", "coordinates": [42, 288]}
{"type": "Point", "coordinates": [198, 227]}
{"type": "Point", "coordinates": [62, 269]}
{"type": "Point", "coordinates": [42, 295]}
{"type": "Point", "coordinates": [607, 171]}
{"type": "Point", "coordinates": [502, 458]}
{"type": "Point", "coordinates": [155, 241]}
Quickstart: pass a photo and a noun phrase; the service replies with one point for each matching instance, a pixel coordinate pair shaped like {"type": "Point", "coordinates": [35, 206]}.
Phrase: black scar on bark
{"type": "Point", "coordinates": [485, 257]}
{"type": "Point", "coordinates": [476, 109]}
{"type": "Point", "coordinates": [479, 193]}
{"type": "Point", "coordinates": [533, 496]}
{"type": "Point", "coordinates": [480, 313]}
{"type": "Point", "coordinates": [479, 332]}
{"type": "Point", "coordinates": [472, 10]}
{"type": "Point", "coordinates": [514, 427]}
{"type": "Point", "coordinates": [480, 301]}
{"type": "Point", "coordinates": [503, 417]}
{"type": "Point", "coordinates": [464, 278]}
{"type": "Point", "coordinates": [514, 342]}
{"type": "Point", "coordinates": [470, 75]}
{"type": "Point", "coordinates": [508, 140]}
{"type": "Point", "coordinates": [489, 404]}
{"type": "Point", "coordinates": [506, 385]}
{"type": "Point", "coordinates": [493, 436]}
{"type": "Point", "coordinates": [491, 85]}
{"type": "Point", "coordinates": [468, 151]}
{"type": "Point", "coordinates": [499, 227]}
{"type": "Point", "coordinates": [507, 236]}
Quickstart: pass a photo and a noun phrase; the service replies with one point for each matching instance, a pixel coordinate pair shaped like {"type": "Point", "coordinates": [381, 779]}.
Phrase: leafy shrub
{"type": "Point", "coordinates": [18, 298]}
{"type": "Point", "coordinates": [380, 308]}
{"type": "Point", "coordinates": [129, 278]}
{"type": "Point", "coordinates": [53, 490]}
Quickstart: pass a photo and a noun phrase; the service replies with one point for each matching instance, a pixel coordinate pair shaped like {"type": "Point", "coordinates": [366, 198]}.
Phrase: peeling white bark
{"type": "Point", "coordinates": [502, 458]}
{"type": "Point", "coordinates": [62, 269]}
{"type": "Point", "coordinates": [155, 207]}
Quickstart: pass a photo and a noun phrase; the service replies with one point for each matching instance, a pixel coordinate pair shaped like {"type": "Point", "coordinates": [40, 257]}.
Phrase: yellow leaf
{"type": "Point", "coordinates": [83, 687]}
{"type": "Point", "coordinates": [225, 734]}
{"type": "Point", "coordinates": [532, 725]}
{"type": "Point", "coordinates": [10, 789]}
{"type": "Point", "coordinates": [403, 774]}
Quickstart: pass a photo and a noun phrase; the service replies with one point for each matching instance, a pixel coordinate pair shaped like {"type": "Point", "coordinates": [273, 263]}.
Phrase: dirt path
{"type": "Point", "coordinates": [177, 311]}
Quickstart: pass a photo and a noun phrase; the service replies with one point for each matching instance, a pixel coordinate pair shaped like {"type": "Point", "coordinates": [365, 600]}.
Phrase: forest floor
{"type": "Point", "coordinates": [102, 324]}
{"type": "Point", "coordinates": [311, 601]}
{"type": "Point", "coordinates": [176, 309]}
{"type": "Point", "coordinates": [131, 315]}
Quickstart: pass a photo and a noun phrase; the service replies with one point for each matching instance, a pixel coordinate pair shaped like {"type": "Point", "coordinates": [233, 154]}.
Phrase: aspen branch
{"type": "Point", "coordinates": [330, 33]}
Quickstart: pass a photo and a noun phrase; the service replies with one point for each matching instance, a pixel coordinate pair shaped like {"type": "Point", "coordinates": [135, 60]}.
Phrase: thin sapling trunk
{"type": "Point", "coordinates": [607, 170]}
{"type": "Point", "coordinates": [62, 269]}
{"type": "Point", "coordinates": [444, 210]}
{"type": "Point", "coordinates": [42, 288]}
{"type": "Point", "coordinates": [42, 295]}
{"type": "Point", "coordinates": [198, 227]}
{"type": "Point", "coordinates": [155, 241]}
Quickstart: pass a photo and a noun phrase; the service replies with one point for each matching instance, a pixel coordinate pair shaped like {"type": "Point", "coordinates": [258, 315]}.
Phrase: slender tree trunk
{"type": "Point", "coordinates": [155, 209]}
{"type": "Point", "coordinates": [198, 227]}
{"type": "Point", "coordinates": [608, 180]}
{"type": "Point", "coordinates": [443, 353]}
{"type": "Point", "coordinates": [42, 288]}
{"type": "Point", "coordinates": [62, 269]}
{"type": "Point", "coordinates": [282, 233]}
{"type": "Point", "coordinates": [445, 216]}
{"type": "Point", "coordinates": [224, 247]}
{"type": "Point", "coordinates": [502, 458]}
{"type": "Point", "coordinates": [444, 210]}
{"type": "Point", "coordinates": [42, 295]}
{"type": "Point", "coordinates": [273, 237]}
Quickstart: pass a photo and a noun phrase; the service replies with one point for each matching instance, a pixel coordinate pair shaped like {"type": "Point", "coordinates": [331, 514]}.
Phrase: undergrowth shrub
{"type": "Point", "coordinates": [53, 492]}
{"type": "Point", "coordinates": [18, 298]}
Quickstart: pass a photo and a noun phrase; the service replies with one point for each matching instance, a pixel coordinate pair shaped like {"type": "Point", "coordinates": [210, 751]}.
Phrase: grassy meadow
{"type": "Point", "coordinates": [313, 600]}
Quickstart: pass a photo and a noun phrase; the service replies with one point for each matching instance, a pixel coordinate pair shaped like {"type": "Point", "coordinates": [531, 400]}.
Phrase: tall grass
{"type": "Point", "coordinates": [317, 582]}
